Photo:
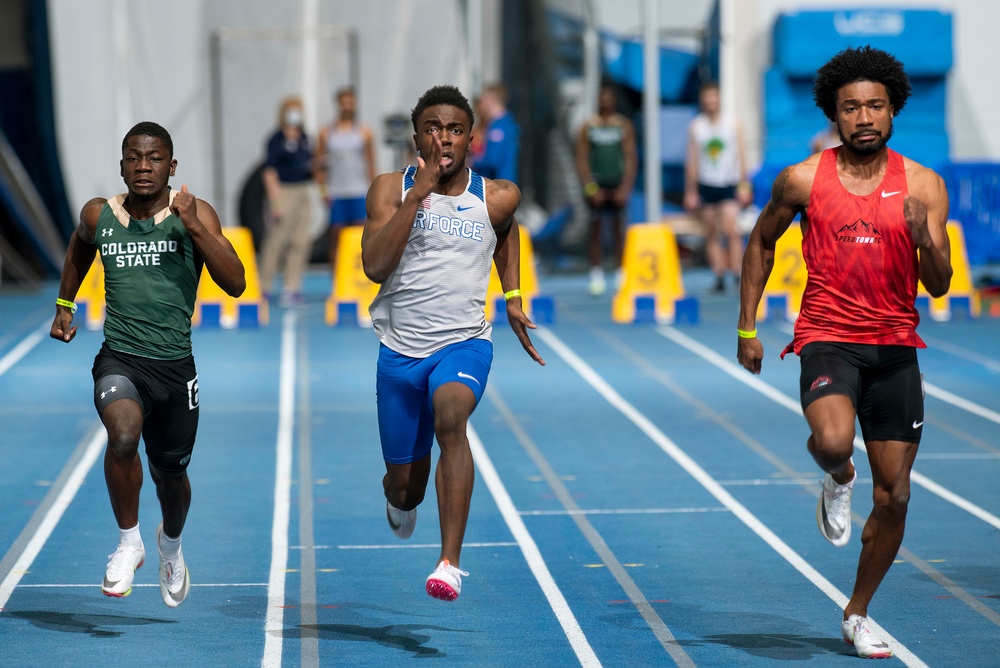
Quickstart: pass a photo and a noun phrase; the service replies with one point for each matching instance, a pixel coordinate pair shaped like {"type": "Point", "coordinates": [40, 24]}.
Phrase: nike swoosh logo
{"type": "Point", "coordinates": [894, 192]}
{"type": "Point", "coordinates": [916, 425]}
{"type": "Point", "coordinates": [465, 375]}
{"type": "Point", "coordinates": [464, 208]}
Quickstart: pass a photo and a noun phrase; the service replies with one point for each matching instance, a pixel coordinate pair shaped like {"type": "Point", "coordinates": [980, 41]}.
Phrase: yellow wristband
{"type": "Point", "coordinates": [743, 334]}
{"type": "Point", "coordinates": [591, 189]}
{"type": "Point", "coordinates": [510, 294]}
{"type": "Point", "coordinates": [68, 304]}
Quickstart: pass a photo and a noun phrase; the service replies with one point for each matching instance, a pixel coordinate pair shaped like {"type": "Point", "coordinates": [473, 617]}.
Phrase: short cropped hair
{"type": "Point", "coordinates": [862, 64]}
{"type": "Point", "coordinates": [150, 129]}
{"type": "Point", "coordinates": [449, 95]}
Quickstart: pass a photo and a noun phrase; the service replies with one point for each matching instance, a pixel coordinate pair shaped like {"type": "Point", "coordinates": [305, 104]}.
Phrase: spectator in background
{"type": "Point", "coordinates": [287, 177]}
{"type": "Point", "coordinates": [345, 159]}
{"type": "Point", "coordinates": [606, 162]}
{"type": "Point", "coordinates": [477, 144]}
{"type": "Point", "coordinates": [715, 182]}
{"type": "Point", "coordinates": [503, 136]}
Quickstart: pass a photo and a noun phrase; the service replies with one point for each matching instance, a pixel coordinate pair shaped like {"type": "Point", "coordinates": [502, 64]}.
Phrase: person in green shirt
{"type": "Point", "coordinates": [153, 242]}
{"type": "Point", "coordinates": [606, 163]}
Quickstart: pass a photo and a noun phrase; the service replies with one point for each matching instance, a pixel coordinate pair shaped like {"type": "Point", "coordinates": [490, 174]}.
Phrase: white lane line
{"type": "Point", "coordinates": [623, 511]}
{"type": "Point", "coordinates": [23, 348]}
{"type": "Point", "coordinates": [959, 402]}
{"type": "Point", "coordinates": [577, 640]}
{"type": "Point", "coordinates": [712, 486]}
{"type": "Point", "coordinates": [958, 351]}
{"type": "Point", "coordinates": [48, 524]}
{"type": "Point", "coordinates": [157, 584]}
{"type": "Point", "coordinates": [403, 546]}
{"type": "Point", "coordinates": [741, 374]}
{"type": "Point", "coordinates": [274, 621]}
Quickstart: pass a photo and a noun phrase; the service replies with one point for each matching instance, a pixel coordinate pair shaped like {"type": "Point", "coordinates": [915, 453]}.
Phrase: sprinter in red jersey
{"type": "Point", "coordinates": [873, 222]}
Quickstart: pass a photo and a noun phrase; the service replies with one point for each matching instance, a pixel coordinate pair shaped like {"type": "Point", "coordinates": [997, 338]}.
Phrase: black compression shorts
{"type": "Point", "coordinates": [167, 390]}
{"type": "Point", "coordinates": [883, 382]}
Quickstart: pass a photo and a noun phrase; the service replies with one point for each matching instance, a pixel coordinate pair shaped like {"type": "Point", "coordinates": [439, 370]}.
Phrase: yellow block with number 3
{"type": "Point", "coordinates": [651, 268]}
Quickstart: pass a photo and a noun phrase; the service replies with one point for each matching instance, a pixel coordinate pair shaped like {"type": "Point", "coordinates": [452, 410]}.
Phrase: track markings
{"type": "Point", "coordinates": [710, 484]}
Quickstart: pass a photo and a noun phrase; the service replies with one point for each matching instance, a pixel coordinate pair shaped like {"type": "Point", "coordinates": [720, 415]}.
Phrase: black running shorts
{"type": "Point", "coordinates": [883, 382]}
{"type": "Point", "coordinates": [167, 390]}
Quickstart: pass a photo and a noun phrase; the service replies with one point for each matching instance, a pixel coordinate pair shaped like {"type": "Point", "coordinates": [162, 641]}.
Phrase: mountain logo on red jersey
{"type": "Point", "coordinates": [858, 232]}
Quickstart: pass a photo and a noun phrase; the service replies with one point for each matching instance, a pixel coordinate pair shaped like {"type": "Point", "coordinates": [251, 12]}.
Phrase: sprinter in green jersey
{"type": "Point", "coordinates": [153, 242]}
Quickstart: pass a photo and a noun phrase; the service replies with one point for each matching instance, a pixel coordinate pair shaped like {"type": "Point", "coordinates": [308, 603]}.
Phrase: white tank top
{"type": "Point", "coordinates": [718, 153]}
{"type": "Point", "coordinates": [437, 294]}
{"type": "Point", "coordinates": [346, 165]}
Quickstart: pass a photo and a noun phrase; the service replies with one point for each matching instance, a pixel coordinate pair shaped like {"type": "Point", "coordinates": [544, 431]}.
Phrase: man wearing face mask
{"type": "Point", "coordinates": [288, 176]}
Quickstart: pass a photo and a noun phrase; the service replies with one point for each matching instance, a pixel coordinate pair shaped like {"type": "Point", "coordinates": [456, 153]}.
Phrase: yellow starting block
{"type": "Point", "coordinates": [540, 308]}
{"type": "Point", "coordinates": [352, 292]}
{"type": "Point", "coordinates": [213, 307]}
{"type": "Point", "coordinates": [90, 296]}
{"type": "Point", "coordinates": [787, 281]}
{"type": "Point", "coordinates": [961, 294]}
{"type": "Point", "coordinates": [652, 289]}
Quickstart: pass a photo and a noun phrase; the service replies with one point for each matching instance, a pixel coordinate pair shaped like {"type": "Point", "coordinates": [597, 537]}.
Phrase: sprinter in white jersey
{"type": "Point", "coordinates": [432, 233]}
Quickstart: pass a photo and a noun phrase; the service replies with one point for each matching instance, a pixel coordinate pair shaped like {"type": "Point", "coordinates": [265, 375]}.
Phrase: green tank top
{"type": "Point", "coordinates": [151, 273]}
{"type": "Point", "coordinates": [607, 159]}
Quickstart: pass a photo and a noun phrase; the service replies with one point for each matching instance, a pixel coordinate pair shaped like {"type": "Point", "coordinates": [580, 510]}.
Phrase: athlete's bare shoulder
{"type": "Point", "coordinates": [502, 198]}
{"type": "Point", "coordinates": [791, 187]}
{"type": "Point", "coordinates": [386, 183]}
{"type": "Point", "coordinates": [923, 182]}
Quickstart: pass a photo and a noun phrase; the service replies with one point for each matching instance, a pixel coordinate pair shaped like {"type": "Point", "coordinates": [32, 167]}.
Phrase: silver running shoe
{"type": "Point", "coordinates": [402, 522]}
{"type": "Point", "coordinates": [857, 631]}
{"type": "Point", "coordinates": [122, 565]}
{"type": "Point", "coordinates": [175, 580]}
{"type": "Point", "coordinates": [833, 512]}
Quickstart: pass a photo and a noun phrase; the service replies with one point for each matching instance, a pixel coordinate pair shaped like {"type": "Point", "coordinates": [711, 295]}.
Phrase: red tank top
{"type": "Point", "coordinates": [861, 261]}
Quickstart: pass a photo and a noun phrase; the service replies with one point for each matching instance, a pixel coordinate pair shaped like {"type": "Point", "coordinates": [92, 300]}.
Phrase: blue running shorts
{"type": "Point", "coordinates": [405, 387]}
{"type": "Point", "coordinates": [347, 211]}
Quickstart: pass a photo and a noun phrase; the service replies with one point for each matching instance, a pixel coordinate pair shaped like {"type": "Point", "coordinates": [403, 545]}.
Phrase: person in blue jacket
{"type": "Point", "coordinates": [503, 136]}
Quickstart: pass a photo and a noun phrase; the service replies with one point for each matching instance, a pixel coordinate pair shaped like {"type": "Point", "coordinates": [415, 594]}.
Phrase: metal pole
{"type": "Point", "coordinates": [310, 63]}
{"type": "Point", "coordinates": [591, 60]}
{"type": "Point", "coordinates": [218, 171]}
{"type": "Point", "coordinates": [651, 111]}
{"type": "Point", "coordinates": [474, 45]}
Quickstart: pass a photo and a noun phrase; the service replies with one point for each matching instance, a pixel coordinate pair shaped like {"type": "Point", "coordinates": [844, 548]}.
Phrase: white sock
{"type": "Point", "coordinates": [130, 537]}
{"type": "Point", "coordinates": [169, 547]}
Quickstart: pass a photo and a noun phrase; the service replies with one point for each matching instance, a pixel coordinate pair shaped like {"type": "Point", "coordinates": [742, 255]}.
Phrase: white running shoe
{"type": "Point", "coordinates": [597, 282]}
{"type": "Point", "coordinates": [856, 631]}
{"type": "Point", "coordinates": [402, 522]}
{"type": "Point", "coordinates": [175, 580]}
{"type": "Point", "coordinates": [445, 583]}
{"type": "Point", "coordinates": [833, 512]}
{"type": "Point", "coordinates": [122, 565]}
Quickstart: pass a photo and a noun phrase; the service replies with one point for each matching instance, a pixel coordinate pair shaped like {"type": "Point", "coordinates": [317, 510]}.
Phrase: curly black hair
{"type": "Point", "coordinates": [449, 95]}
{"type": "Point", "coordinates": [150, 129]}
{"type": "Point", "coordinates": [862, 64]}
